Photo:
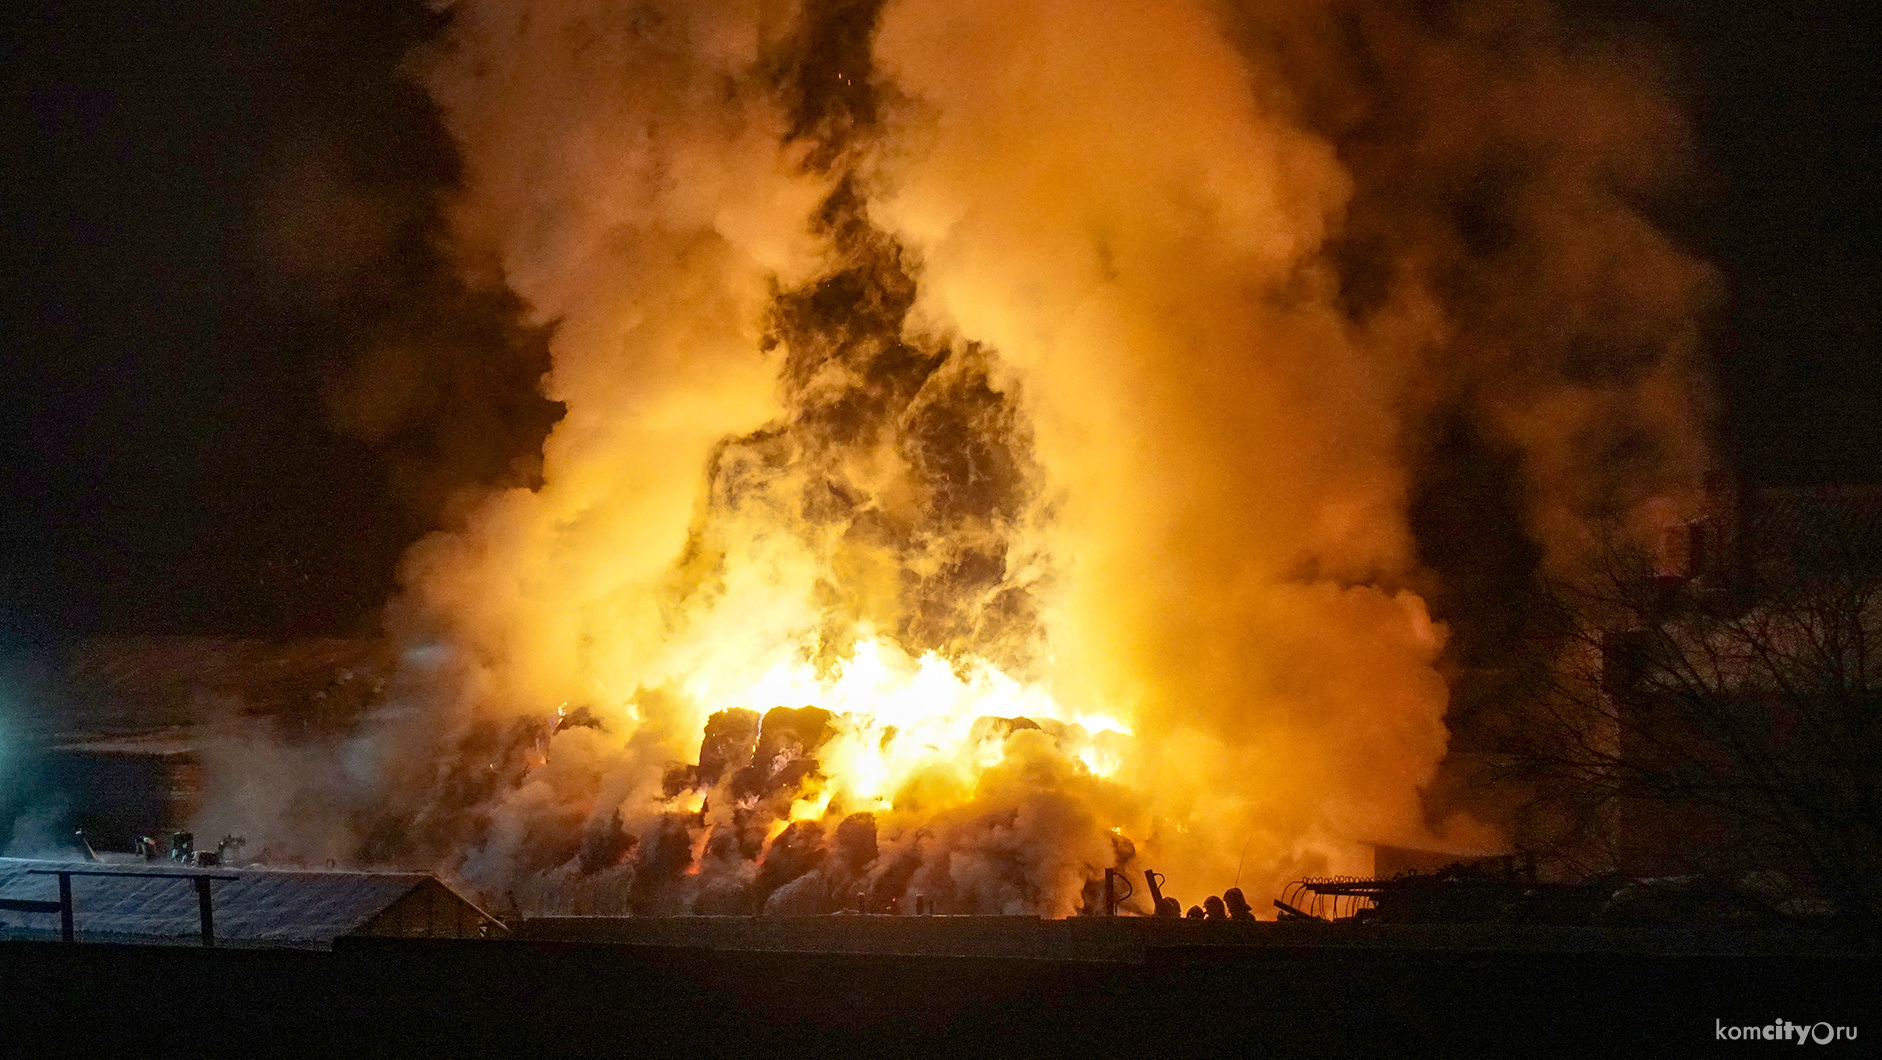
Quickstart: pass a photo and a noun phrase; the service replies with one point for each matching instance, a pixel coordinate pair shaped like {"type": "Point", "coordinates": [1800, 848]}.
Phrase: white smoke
{"type": "Point", "coordinates": [1206, 271]}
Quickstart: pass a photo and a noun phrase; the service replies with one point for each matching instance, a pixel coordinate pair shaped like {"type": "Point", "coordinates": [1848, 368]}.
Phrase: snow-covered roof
{"type": "Point", "coordinates": [257, 907]}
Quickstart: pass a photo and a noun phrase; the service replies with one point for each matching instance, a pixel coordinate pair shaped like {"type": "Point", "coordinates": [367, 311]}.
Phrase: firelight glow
{"type": "Point", "coordinates": [990, 431]}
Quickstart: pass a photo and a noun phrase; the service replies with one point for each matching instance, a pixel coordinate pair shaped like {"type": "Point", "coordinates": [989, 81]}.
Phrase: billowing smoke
{"type": "Point", "coordinates": [990, 431]}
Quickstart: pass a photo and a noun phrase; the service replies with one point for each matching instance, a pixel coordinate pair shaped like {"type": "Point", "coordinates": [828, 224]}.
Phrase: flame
{"type": "Point", "coordinates": [902, 717]}
{"type": "Point", "coordinates": [1017, 384]}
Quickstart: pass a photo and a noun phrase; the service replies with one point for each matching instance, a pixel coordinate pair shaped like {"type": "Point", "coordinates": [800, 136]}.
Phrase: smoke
{"type": "Point", "coordinates": [989, 437]}
{"type": "Point", "coordinates": [41, 831]}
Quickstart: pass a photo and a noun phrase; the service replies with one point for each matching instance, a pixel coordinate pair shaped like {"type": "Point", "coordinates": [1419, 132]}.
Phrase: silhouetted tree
{"type": "Point", "coordinates": [1727, 725]}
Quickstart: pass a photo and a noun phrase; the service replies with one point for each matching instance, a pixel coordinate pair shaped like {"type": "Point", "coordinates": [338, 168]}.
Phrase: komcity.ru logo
{"type": "Point", "coordinates": [1783, 1031]}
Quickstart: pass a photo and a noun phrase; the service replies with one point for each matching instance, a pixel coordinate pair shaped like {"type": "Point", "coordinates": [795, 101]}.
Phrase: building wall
{"type": "Point", "coordinates": [431, 910]}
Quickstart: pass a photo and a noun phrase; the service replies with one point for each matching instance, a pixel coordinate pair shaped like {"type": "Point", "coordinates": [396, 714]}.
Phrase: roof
{"type": "Point", "coordinates": [257, 907]}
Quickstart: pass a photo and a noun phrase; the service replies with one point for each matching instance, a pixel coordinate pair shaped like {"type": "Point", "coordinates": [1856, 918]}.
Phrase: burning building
{"type": "Point", "coordinates": [987, 444]}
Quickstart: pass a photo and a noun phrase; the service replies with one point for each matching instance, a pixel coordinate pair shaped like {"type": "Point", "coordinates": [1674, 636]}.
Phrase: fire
{"type": "Point", "coordinates": [989, 440]}
{"type": "Point", "coordinates": [899, 719]}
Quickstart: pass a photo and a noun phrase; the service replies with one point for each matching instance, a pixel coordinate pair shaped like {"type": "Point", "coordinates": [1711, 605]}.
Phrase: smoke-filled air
{"type": "Point", "coordinates": [989, 436]}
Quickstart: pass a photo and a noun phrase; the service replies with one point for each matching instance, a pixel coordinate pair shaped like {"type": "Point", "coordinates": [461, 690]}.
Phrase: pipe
{"type": "Point", "coordinates": [1112, 899]}
{"type": "Point", "coordinates": [1155, 880]}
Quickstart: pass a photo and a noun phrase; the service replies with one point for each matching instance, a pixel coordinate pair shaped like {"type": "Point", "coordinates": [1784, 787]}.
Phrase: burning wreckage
{"type": "Point", "coordinates": [750, 830]}
{"type": "Point", "coordinates": [984, 457]}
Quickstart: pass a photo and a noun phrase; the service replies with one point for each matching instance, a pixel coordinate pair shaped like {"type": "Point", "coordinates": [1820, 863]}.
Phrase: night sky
{"type": "Point", "coordinates": [173, 457]}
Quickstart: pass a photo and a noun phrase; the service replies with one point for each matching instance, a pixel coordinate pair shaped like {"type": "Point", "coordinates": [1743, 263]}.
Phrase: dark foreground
{"type": "Point", "coordinates": [1287, 995]}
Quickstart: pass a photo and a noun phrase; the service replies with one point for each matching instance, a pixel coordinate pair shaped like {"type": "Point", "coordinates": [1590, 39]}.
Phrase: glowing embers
{"type": "Point", "coordinates": [879, 731]}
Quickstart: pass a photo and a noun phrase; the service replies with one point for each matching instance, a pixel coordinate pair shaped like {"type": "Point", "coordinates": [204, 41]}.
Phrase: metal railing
{"type": "Point", "coordinates": [63, 906]}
